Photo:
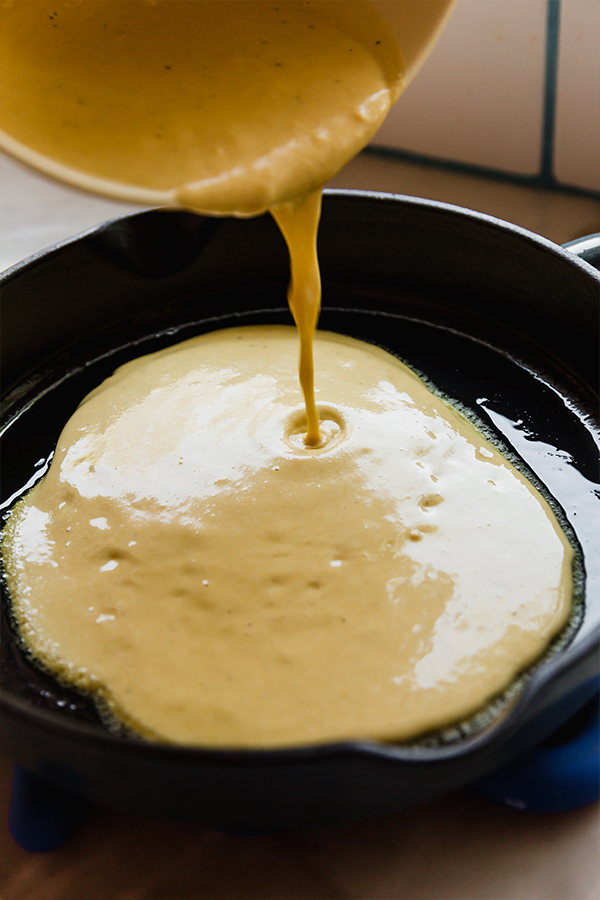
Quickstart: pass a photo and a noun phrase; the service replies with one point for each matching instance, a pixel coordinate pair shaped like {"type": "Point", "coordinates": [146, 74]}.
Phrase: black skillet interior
{"type": "Point", "coordinates": [497, 319]}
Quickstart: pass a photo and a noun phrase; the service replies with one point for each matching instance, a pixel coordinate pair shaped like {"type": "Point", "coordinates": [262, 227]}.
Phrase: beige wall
{"type": "Point", "coordinates": [479, 99]}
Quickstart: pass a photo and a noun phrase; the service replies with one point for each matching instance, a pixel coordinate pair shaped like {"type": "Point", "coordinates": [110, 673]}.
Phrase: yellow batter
{"type": "Point", "coordinates": [220, 583]}
{"type": "Point", "coordinates": [227, 107]}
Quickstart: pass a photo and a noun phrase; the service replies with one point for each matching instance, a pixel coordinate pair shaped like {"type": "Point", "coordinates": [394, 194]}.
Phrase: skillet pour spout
{"type": "Point", "coordinates": [499, 319]}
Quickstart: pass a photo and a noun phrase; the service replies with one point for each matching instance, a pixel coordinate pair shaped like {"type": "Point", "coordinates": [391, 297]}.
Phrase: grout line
{"type": "Point", "coordinates": [451, 165]}
{"type": "Point", "coordinates": [546, 175]}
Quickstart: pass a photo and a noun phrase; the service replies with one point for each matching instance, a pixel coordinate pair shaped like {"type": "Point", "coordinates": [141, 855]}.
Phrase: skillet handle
{"type": "Point", "coordinates": [586, 248]}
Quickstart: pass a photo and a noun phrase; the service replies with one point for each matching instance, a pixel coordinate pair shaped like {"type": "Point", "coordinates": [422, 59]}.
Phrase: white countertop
{"type": "Point", "coordinates": [459, 847]}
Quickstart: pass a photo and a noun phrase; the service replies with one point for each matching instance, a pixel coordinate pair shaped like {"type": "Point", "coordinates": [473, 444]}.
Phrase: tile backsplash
{"type": "Point", "coordinates": [577, 139]}
{"type": "Point", "coordinates": [512, 87]}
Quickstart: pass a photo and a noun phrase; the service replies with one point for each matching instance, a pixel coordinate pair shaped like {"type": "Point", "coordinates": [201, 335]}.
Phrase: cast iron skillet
{"type": "Point", "coordinates": [499, 319]}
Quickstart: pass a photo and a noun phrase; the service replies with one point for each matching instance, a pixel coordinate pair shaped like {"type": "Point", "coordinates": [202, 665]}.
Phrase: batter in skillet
{"type": "Point", "coordinates": [217, 582]}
